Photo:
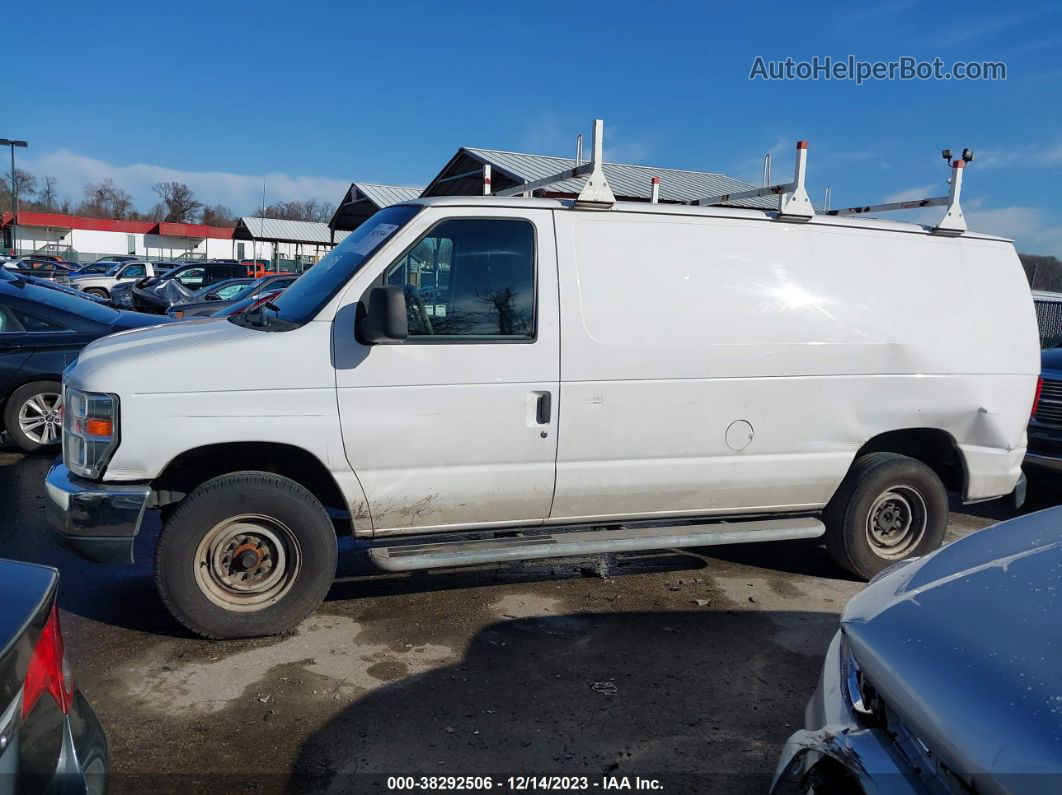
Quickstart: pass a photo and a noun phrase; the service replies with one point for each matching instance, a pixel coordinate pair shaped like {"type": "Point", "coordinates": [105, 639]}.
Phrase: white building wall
{"type": "Point", "coordinates": [90, 244]}
{"type": "Point", "coordinates": [92, 241]}
{"type": "Point", "coordinates": [29, 238]}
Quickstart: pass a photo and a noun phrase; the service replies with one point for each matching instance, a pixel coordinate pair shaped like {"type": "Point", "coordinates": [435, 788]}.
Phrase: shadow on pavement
{"type": "Point", "coordinates": [655, 695]}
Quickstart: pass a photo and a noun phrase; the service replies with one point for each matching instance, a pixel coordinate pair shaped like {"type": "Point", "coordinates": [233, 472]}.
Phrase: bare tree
{"type": "Point", "coordinates": [106, 200]}
{"type": "Point", "coordinates": [1043, 271]}
{"type": "Point", "coordinates": [25, 187]}
{"type": "Point", "coordinates": [181, 205]}
{"type": "Point", "coordinates": [296, 210]}
{"type": "Point", "coordinates": [47, 195]}
{"type": "Point", "coordinates": [218, 215]}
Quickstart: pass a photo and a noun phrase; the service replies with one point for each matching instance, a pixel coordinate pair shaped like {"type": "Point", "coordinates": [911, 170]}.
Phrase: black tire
{"type": "Point", "coordinates": [863, 542]}
{"type": "Point", "coordinates": [13, 407]}
{"type": "Point", "coordinates": [102, 293]}
{"type": "Point", "coordinates": [200, 591]}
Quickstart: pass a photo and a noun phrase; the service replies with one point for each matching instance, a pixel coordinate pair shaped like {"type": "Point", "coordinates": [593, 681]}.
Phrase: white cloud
{"type": "Point", "coordinates": [1024, 156]}
{"type": "Point", "coordinates": [241, 192]}
{"type": "Point", "coordinates": [910, 194]}
{"type": "Point", "coordinates": [1032, 229]}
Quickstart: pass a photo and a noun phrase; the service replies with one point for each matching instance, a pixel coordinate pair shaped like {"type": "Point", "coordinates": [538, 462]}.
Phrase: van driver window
{"type": "Point", "coordinates": [470, 278]}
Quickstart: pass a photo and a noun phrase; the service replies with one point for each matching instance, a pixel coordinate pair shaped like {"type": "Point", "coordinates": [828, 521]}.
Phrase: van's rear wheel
{"type": "Point", "coordinates": [889, 507]}
{"type": "Point", "coordinates": [244, 555]}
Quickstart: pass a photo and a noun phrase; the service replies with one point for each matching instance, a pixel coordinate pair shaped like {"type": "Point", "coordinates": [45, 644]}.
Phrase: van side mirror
{"type": "Point", "coordinates": [384, 320]}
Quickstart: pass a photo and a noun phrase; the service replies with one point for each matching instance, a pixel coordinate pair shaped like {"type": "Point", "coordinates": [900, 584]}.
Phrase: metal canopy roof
{"type": "Point", "coordinates": [628, 182]}
{"type": "Point", "coordinates": [282, 231]}
{"type": "Point", "coordinates": [365, 198]}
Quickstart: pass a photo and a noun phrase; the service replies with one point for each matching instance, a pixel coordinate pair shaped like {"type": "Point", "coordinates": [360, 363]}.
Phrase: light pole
{"type": "Point", "coordinates": [14, 190]}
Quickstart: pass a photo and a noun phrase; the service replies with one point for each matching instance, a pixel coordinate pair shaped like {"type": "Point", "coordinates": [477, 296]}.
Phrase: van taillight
{"type": "Point", "coordinates": [1036, 397]}
{"type": "Point", "coordinates": [48, 670]}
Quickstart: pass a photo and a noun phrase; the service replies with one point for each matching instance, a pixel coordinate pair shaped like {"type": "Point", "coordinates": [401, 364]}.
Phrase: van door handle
{"type": "Point", "coordinates": [542, 408]}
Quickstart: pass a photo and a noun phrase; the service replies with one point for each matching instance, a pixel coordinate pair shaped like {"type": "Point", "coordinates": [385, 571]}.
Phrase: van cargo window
{"type": "Point", "coordinates": [470, 278]}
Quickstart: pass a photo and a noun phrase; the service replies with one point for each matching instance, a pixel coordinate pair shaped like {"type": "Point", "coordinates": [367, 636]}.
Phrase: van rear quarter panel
{"type": "Point", "coordinates": [818, 336]}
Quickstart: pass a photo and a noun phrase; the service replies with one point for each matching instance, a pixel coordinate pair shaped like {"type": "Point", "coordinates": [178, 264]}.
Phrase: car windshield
{"type": "Point", "coordinates": [299, 303]}
{"type": "Point", "coordinates": [66, 302]}
{"type": "Point", "coordinates": [227, 288]}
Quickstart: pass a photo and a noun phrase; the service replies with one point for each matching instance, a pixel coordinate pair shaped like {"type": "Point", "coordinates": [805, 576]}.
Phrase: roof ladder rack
{"type": "Point", "coordinates": [953, 222]}
{"type": "Point", "coordinates": [595, 194]}
{"type": "Point", "coordinates": [793, 200]}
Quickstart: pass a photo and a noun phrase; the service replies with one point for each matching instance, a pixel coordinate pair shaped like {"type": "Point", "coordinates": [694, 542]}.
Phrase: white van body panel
{"type": "Point", "coordinates": [443, 434]}
{"type": "Point", "coordinates": [818, 337]}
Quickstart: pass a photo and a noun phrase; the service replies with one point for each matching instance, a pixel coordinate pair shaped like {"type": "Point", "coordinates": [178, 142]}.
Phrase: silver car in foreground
{"type": "Point", "coordinates": [946, 675]}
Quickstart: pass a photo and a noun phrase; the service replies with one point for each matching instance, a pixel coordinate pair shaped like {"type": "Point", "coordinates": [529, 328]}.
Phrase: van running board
{"type": "Point", "coordinates": [444, 554]}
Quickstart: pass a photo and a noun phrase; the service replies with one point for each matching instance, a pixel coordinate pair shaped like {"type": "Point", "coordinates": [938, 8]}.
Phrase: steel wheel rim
{"type": "Point", "coordinates": [247, 563]}
{"type": "Point", "coordinates": [897, 521]}
{"type": "Point", "coordinates": [40, 417]}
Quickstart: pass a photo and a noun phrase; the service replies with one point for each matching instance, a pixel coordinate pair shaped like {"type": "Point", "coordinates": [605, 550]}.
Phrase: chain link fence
{"type": "Point", "coordinates": [1049, 318]}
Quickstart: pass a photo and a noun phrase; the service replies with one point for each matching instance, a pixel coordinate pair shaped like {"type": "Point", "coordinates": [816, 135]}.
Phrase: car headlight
{"type": "Point", "coordinates": [90, 431]}
{"type": "Point", "coordinates": [860, 695]}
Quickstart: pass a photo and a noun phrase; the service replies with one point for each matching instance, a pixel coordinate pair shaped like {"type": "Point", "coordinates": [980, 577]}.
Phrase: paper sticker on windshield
{"type": "Point", "coordinates": [376, 236]}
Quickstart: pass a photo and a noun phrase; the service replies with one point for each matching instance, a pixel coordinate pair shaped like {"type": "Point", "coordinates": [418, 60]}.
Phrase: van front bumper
{"type": "Point", "coordinates": [99, 521]}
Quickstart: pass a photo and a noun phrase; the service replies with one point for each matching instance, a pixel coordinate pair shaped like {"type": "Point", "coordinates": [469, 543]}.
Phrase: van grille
{"type": "Point", "coordinates": [1049, 409]}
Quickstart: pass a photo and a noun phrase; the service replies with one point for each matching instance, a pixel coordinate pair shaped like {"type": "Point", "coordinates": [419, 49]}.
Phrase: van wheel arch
{"type": "Point", "coordinates": [934, 447]}
{"type": "Point", "coordinates": [194, 467]}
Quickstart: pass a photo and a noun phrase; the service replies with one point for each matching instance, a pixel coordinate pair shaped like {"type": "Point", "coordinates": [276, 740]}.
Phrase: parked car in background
{"type": "Point", "coordinates": [210, 300]}
{"type": "Point", "coordinates": [119, 258]}
{"type": "Point", "coordinates": [247, 305]}
{"type": "Point", "coordinates": [8, 275]}
{"type": "Point", "coordinates": [100, 266]}
{"type": "Point", "coordinates": [103, 265]}
{"type": "Point", "coordinates": [210, 296]}
{"type": "Point", "coordinates": [50, 739]}
{"type": "Point", "coordinates": [1044, 455]}
{"type": "Point", "coordinates": [42, 269]}
{"type": "Point", "coordinates": [945, 675]}
{"type": "Point", "coordinates": [257, 267]}
{"type": "Point", "coordinates": [46, 261]}
{"type": "Point", "coordinates": [160, 293]}
{"type": "Point", "coordinates": [42, 330]}
{"type": "Point", "coordinates": [101, 284]}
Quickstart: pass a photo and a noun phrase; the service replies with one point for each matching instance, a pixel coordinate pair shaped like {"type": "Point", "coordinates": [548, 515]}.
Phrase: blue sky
{"type": "Point", "coordinates": [315, 95]}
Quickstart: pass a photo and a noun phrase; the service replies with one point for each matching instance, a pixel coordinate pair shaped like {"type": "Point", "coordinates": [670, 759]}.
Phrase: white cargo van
{"type": "Point", "coordinates": [474, 379]}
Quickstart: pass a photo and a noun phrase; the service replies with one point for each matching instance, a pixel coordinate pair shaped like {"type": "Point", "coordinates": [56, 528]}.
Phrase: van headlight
{"type": "Point", "coordinates": [90, 431]}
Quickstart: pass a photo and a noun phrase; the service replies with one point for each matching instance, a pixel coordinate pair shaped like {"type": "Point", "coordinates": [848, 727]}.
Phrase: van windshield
{"type": "Point", "coordinates": [303, 300]}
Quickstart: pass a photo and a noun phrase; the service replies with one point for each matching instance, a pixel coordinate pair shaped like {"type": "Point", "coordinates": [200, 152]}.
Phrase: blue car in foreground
{"type": "Point", "coordinates": [946, 675]}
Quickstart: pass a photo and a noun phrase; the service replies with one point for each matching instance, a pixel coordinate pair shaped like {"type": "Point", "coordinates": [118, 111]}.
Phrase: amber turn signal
{"type": "Point", "coordinates": [99, 427]}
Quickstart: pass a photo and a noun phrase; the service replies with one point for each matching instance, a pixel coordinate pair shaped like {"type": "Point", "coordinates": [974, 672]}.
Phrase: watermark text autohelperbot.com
{"type": "Point", "coordinates": [851, 68]}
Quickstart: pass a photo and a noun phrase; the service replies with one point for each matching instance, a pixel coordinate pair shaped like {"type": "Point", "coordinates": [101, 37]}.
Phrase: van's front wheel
{"type": "Point", "coordinates": [245, 554]}
{"type": "Point", "coordinates": [889, 507]}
